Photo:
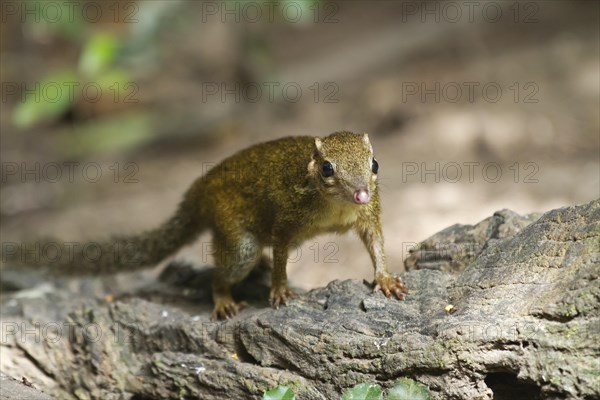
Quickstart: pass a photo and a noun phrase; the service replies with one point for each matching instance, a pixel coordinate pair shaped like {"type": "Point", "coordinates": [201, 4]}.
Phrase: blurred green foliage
{"type": "Point", "coordinates": [109, 134]}
{"type": "Point", "coordinates": [279, 393]}
{"type": "Point", "coordinates": [407, 389]}
{"type": "Point", "coordinates": [60, 90]}
{"type": "Point", "coordinates": [57, 92]}
{"type": "Point", "coordinates": [69, 28]}
{"type": "Point", "coordinates": [49, 100]}
{"type": "Point", "coordinates": [73, 88]}
{"type": "Point", "coordinates": [98, 54]}
{"type": "Point", "coordinates": [363, 391]}
{"type": "Point", "coordinates": [404, 389]}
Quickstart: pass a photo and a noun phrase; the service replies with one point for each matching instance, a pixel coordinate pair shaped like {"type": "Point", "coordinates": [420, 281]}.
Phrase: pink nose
{"type": "Point", "coordinates": [362, 196]}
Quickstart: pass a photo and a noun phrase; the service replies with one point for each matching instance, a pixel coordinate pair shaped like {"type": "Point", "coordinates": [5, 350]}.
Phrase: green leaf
{"type": "Point", "coordinates": [46, 100]}
{"type": "Point", "coordinates": [57, 18]}
{"type": "Point", "coordinates": [117, 84]}
{"type": "Point", "coordinates": [117, 133]}
{"type": "Point", "coordinates": [294, 11]}
{"type": "Point", "coordinates": [98, 54]}
{"type": "Point", "coordinates": [363, 391]}
{"type": "Point", "coordinates": [279, 393]}
{"type": "Point", "coordinates": [407, 389]}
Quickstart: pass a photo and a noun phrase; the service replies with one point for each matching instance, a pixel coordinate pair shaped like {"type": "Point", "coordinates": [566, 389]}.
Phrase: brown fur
{"type": "Point", "coordinates": [269, 194]}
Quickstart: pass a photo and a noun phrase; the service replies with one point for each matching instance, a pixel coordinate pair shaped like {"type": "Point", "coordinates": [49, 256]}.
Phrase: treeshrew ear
{"type": "Point", "coordinates": [318, 144]}
{"type": "Point", "coordinates": [367, 141]}
{"type": "Point", "coordinates": [312, 165]}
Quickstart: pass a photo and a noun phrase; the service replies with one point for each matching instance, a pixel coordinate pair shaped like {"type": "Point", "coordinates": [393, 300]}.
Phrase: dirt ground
{"type": "Point", "coordinates": [467, 116]}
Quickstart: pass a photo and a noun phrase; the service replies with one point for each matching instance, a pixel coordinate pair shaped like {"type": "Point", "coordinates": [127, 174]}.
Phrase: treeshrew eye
{"type": "Point", "coordinates": [327, 169]}
{"type": "Point", "coordinates": [375, 166]}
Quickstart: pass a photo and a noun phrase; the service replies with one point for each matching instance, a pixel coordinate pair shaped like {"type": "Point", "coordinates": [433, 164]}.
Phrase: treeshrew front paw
{"type": "Point", "coordinates": [225, 308]}
{"type": "Point", "coordinates": [280, 296]}
{"type": "Point", "coordinates": [390, 285]}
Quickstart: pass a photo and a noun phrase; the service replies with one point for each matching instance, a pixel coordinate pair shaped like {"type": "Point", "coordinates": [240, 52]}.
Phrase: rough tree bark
{"type": "Point", "coordinates": [525, 323]}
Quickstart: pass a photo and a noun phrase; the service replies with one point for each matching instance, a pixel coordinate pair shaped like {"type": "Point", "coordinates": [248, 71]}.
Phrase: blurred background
{"type": "Point", "coordinates": [111, 109]}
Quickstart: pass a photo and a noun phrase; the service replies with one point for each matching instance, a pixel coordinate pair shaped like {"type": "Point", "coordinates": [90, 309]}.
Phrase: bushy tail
{"type": "Point", "coordinates": [119, 253]}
